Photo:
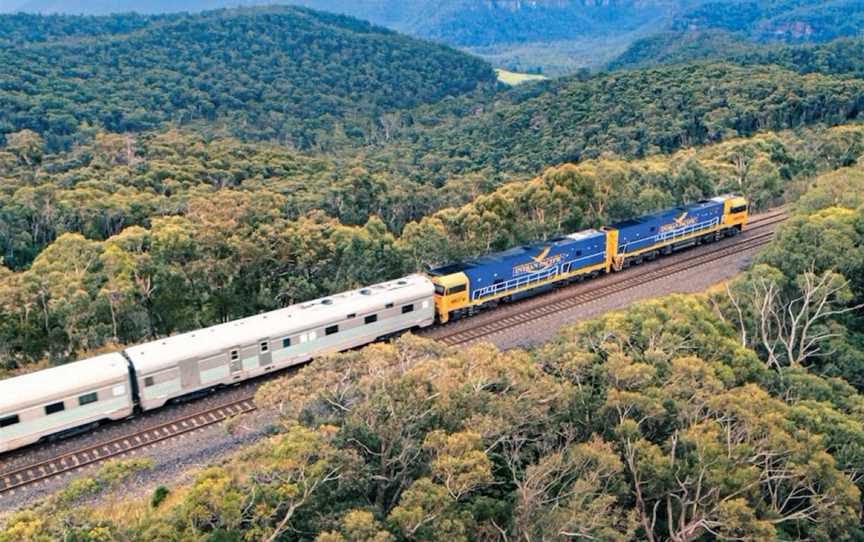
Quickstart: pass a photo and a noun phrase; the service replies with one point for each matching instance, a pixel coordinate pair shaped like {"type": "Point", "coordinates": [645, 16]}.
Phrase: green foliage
{"type": "Point", "coordinates": [800, 305]}
{"type": "Point", "coordinates": [263, 70]}
{"type": "Point", "coordinates": [842, 56]}
{"type": "Point", "coordinates": [78, 489]}
{"type": "Point", "coordinates": [130, 238]}
{"type": "Point", "coordinates": [777, 20]}
{"type": "Point", "coordinates": [109, 476]}
{"type": "Point", "coordinates": [158, 497]}
{"type": "Point", "coordinates": [628, 114]}
{"type": "Point", "coordinates": [650, 423]}
{"type": "Point", "coordinates": [21, 29]}
{"type": "Point", "coordinates": [115, 472]}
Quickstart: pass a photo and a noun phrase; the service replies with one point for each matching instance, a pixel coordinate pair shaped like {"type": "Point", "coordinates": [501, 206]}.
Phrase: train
{"type": "Point", "coordinates": [75, 397]}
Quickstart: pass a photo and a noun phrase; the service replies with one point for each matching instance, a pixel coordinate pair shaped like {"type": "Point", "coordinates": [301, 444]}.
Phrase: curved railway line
{"type": "Point", "coordinates": [461, 332]}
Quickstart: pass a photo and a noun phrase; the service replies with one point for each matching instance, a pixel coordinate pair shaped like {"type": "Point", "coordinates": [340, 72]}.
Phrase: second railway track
{"type": "Point", "coordinates": [460, 332]}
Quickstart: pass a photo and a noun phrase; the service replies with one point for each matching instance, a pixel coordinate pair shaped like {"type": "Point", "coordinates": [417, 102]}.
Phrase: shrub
{"type": "Point", "coordinates": [114, 472]}
{"type": "Point", "coordinates": [159, 495]}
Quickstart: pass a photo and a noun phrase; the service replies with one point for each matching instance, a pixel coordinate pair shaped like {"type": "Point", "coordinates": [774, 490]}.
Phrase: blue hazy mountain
{"type": "Point", "coordinates": [550, 35]}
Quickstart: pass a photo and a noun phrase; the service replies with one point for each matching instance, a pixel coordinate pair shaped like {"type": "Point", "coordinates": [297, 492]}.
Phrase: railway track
{"type": "Point", "coordinates": [461, 332]}
{"type": "Point", "coordinates": [72, 461]}
{"type": "Point", "coordinates": [759, 233]}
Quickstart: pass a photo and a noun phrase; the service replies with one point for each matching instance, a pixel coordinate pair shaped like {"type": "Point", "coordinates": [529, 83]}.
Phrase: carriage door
{"type": "Point", "coordinates": [265, 357]}
{"type": "Point", "coordinates": [190, 374]}
{"type": "Point", "coordinates": [235, 361]}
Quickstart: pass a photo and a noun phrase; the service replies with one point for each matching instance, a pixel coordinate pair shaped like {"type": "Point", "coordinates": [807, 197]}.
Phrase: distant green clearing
{"type": "Point", "coordinates": [514, 78]}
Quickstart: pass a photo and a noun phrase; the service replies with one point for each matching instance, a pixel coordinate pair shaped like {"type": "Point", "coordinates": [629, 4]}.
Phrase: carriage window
{"type": "Point", "coordinates": [351, 316]}
{"type": "Point", "coordinates": [148, 382]}
{"type": "Point", "coordinates": [388, 306]}
{"type": "Point", "coordinates": [286, 342]}
{"type": "Point", "coordinates": [9, 420]}
{"type": "Point", "coordinates": [265, 346]}
{"type": "Point", "coordinates": [332, 330]}
{"type": "Point", "coordinates": [407, 308]}
{"type": "Point", "coordinates": [55, 407]}
{"type": "Point", "coordinates": [371, 319]}
{"type": "Point", "coordinates": [235, 355]}
{"type": "Point", "coordinates": [88, 398]}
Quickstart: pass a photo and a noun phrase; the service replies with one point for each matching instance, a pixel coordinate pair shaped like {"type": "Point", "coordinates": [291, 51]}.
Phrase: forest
{"type": "Point", "coordinates": [163, 173]}
{"type": "Point", "coordinates": [838, 57]}
{"type": "Point", "coordinates": [626, 114]}
{"type": "Point", "coordinates": [701, 417]}
{"type": "Point", "coordinates": [139, 238]}
{"type": "Point", "coordinates": [262, 69]}
{"type": "Point", "coordinates": [777, 20]}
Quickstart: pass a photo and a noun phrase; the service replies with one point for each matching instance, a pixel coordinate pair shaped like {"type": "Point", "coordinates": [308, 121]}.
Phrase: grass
{"type": "Point", "coordinates": [515, 78]}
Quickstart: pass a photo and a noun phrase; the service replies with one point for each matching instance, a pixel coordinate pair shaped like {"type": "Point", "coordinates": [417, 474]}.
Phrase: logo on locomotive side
{"type": "Point", "coordinates": [678, 223]}
{"type": "Point", "coordinates": [538, 263]}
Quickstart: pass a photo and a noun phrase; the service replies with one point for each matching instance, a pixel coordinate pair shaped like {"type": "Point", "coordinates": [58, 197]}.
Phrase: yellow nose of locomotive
{"type": "Point", "coordinates": [735, 211]}
{"type": "Point", "coordinates": [451, 293]}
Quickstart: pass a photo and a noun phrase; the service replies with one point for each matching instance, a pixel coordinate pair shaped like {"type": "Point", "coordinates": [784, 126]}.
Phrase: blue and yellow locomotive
{"type": "Point", "coordinates": [462, 288]}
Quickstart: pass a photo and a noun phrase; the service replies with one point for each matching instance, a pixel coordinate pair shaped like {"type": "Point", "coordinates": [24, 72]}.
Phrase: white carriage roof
{"type": "Point", "coordinates": [49, 384]}
{"type": "Point", "coordinates": [157, 355]}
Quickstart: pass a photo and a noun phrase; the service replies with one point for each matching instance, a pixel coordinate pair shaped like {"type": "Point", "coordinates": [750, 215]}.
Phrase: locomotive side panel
{"type": "Point", "coordinates": [516, 272]}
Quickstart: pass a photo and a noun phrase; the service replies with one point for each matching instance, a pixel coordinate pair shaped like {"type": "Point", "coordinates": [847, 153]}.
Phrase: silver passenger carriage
{"type": "Point", "coordinates": [242, 349]}
{"type": "Point", "coordinates": [64, 398]}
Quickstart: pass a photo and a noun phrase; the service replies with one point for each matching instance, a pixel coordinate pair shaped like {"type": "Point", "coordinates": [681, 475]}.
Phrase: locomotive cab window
{"type": "Point", "coordinates": [388, 306]}
{"type": "Point", "coordinates": [351, 316]}
{"type": "Point", "coordinates": [88, 398]}
{"type": "Point", "coordinates": [54, 408]}
{"type": "Point", "coordinates": [9, 420]}
{"type": "Point", "coordinates": [439, 289]}
{"type": "Point", "coordinates": [407, 308]}
{"type": "Point", "coordinates": [738, 209]}
{"type": "Point", "coordinates": [371, 319]}
{"type": "Point", "coordinates": [332, 330]}
{"type": "Point", "coordinates": [456, 289]}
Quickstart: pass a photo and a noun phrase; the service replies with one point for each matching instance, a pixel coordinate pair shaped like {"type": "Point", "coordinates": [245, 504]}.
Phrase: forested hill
{"type": "Point", "coordinates": [777, 20]}
{"type": "Point", "coordinates": [557, 36]}
{"type": "Point", "coordinates": [284, 73]}
{"type": "Point", "coordinates": [22, 29]}
{"type": "Point", "coordinates": [630, 114]}
{"type": "Point", "coordinates": [843, 56]}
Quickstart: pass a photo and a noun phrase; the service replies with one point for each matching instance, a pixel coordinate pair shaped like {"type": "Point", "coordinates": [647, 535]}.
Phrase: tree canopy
{"type": "Point", "coordinates": [278, 73]}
